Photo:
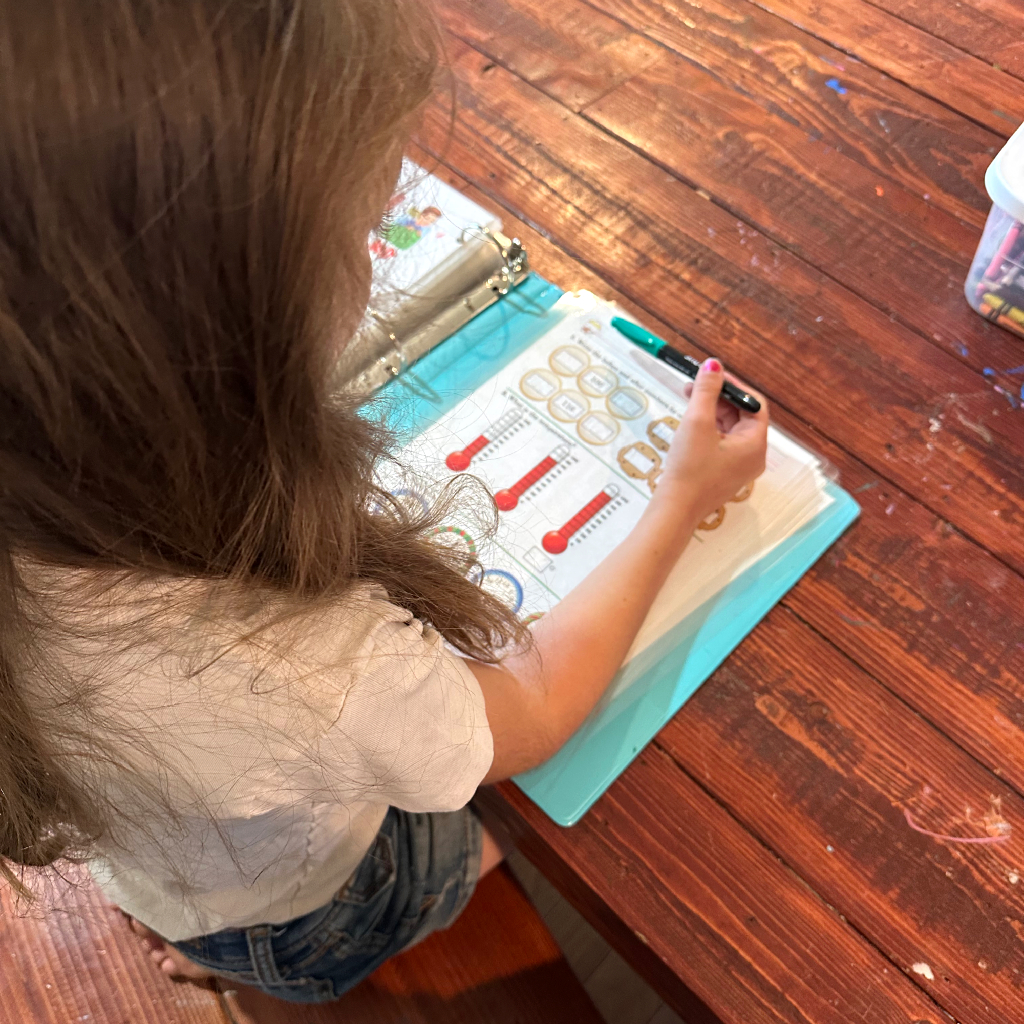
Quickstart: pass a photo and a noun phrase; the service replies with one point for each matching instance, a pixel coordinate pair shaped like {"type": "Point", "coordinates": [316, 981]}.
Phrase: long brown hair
{"type": "Point", "coordinates": [186, 188]}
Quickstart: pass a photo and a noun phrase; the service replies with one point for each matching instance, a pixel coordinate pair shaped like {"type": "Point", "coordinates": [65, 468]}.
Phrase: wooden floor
{"type": "Point", "coordinates": [74, 960]}
{"type": "Point", "coordinates": [796, 187]}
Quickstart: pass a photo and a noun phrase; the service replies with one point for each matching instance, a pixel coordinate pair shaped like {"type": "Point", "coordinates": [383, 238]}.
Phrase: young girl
{"type": "Point", "coordinates": [224, 680]}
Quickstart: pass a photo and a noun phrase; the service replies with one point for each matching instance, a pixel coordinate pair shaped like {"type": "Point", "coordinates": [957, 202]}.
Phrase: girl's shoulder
{"type": "Point", "coordinates": [139, 645]}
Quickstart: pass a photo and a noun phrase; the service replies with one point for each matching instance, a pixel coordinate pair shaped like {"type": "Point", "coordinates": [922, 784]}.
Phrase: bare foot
{"type": "Point", "coordinates": [167, 958]}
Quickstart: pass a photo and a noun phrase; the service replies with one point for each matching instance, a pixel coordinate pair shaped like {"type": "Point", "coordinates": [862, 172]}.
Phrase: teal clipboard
{"type": "Point", "coordinates": [665, 675]}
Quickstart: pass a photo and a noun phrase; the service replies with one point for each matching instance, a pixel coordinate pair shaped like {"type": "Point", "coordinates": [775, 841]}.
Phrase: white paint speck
{"type": "Point", "coordinates": [924, 970]}
{"type": "Point", "coordinates": [818, 319]}
{"type": "Point", "coordinates": [892, 508]}
{"type": "Point", "coordinates": [830, 849]}
{"type": "Point", "coordinates": [983, 965]}
{"type": "Point", "coordinates": [934, 426]}
{"type": "Point", "coordinates": [1013, 878]}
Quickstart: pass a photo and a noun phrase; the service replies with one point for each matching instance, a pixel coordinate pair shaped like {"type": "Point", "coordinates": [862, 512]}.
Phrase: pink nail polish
{"type": "Point", "coordinates": [712, 366]}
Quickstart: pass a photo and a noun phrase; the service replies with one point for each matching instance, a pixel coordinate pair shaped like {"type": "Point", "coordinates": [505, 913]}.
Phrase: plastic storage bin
{"type": "Point", "coordinates": [995, 285]}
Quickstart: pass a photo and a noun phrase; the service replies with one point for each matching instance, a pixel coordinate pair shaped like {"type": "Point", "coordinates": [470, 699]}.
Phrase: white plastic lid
{"type": "Point", "coordinates": [1004, 178]}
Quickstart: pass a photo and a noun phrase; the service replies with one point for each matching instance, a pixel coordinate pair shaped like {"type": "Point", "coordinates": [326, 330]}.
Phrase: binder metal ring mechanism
{"type": "Point", "coordinates": [487, 266]}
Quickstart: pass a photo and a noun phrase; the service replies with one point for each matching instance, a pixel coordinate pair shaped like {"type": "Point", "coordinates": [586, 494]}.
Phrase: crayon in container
{"type": "Point", "coordinates": [995, 284]}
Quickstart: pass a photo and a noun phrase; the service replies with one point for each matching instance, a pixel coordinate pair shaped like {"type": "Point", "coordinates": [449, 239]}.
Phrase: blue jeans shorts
{"type": "Point", "coordinates": [416, 878]}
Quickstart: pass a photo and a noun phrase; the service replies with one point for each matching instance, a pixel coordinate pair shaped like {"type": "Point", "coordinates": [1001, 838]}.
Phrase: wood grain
{"type": "Point", "coordinates": [990, 29]}
{"type": "Point", "coordinates": [73, 959]}
{"type": "Point", "coordinates": [891, 129]}
{"type": "Point", "coordinates": [497, 964]}
{"type": "Point", "coordinates": [931, 66]}
{"type": "Point", "coordinates": [706, 913]}
{"type": "Point", "coordinates": [573, 53]}
{"type": "Point", "coordinates": [884, 241]}
{"type": "Point", "coordinates": [865, 381]}
{"type": "Point", "coordinates": [883, 593]}
{"type": "Point", "coordinates": [822, 765]}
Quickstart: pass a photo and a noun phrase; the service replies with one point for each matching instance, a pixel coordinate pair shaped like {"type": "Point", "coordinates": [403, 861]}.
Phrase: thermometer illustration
{"type": "Point", "coordinates": [458, 462]}
{"type": "Point", "coordinates": [508, 498]}
{"type": "Point", "coordinates": [555, 542]}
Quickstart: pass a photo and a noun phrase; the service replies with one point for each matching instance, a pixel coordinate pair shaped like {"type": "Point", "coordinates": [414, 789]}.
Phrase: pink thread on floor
{"type": "Point", "coordinates": [953, 839]}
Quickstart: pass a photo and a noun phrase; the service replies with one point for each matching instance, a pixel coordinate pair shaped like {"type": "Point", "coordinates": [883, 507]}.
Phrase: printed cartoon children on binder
{"type": "Point", "coordinates": [402, 230]}
{"type": "Point", "coordinates": [569, 440]}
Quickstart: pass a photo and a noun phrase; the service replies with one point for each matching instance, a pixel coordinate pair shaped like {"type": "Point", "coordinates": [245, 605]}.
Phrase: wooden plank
{"type": "Point", "coordinates": [879, 122]}
{"type": "Point", "coordinates": [932, 66]}
{"type": "Point", "coordinates": [573, 53]}
{"type": "Point", "coordinates": [498, 963]}
{"type": "Point", "coordinates": [823, 765]}
{"type": "Point", "coordinates": [884, 242]}
{"type": "Point", "coordinates": [932, 616]}
{"type": "Point", "coordinates": [899, 568]}
{"type": "Point", "coordinates": [871, 385]}
{"type": "Point", "coordinates": [990, 29]}
{"type": "Point", "coordinates": [72, 958]}
{"type": "Point", "coordinates": [709, 916]}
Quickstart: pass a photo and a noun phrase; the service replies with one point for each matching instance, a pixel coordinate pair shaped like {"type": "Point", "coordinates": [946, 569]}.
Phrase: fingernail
{"type": "Point", "coordinates": [712, 366]}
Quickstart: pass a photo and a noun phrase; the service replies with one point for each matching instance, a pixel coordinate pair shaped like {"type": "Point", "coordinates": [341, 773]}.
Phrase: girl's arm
{"type": "Point", "coordinates": [536, 700]}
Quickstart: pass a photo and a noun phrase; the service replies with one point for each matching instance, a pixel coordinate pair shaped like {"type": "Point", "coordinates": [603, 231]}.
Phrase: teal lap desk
{"type": "Point", "coordinates": [662, 677]}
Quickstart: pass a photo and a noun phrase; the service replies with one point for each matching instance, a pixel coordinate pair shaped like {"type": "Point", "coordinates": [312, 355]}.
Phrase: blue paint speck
{"type": "Point", "coordinates": [1016, 369]}
{"type": "Point", "coordinates": [834, 83]}
{"type": "Point", "coordinates": [1022, 392]}
{"type": "Point", "coordinates": [964, 350]}
{"type": "Point", "coordinates": [1012, 399]}
{"type": "Point", "coordinates": [989, 372]}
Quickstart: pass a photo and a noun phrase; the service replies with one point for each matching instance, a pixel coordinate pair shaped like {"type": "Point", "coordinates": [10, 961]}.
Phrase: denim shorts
{"type": "Point", "coordinates": [416, 878]}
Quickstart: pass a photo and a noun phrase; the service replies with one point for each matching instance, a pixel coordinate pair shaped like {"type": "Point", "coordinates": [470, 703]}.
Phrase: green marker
{"type": "Point", "coordinates": [660, 349]}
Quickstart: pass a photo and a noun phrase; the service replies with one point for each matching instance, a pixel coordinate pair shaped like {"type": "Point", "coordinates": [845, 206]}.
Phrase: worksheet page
{"type": "Point", "coordinates": [570, 439]}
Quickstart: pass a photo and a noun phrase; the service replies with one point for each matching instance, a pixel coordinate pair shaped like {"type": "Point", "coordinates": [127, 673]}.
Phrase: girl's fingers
{"type": "Point", "coordinates": [728, 417]}
{"type": "Point", "coordinates": [733, 379]}
{"type": "Point", "coordinates": [706, 389]}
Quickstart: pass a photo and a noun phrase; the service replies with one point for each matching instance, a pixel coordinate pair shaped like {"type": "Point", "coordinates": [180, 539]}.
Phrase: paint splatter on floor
{"type": "Point", "coordinates": [1001, 830]}
{"type": "Point", "coordinates": [924, 970]}
{"type": "Point", "coordinates": [1011, 398]}
{"type": "Point", "coordinates": [983, 432]}
{"type": "Point", "coordinates": [859, 623]}
{"type": "Point", "coordinates": [836, 86]}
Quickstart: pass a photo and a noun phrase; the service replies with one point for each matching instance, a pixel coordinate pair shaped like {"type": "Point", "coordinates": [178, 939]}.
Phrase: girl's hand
{"type": "Point", "coordinates": [717, 450]}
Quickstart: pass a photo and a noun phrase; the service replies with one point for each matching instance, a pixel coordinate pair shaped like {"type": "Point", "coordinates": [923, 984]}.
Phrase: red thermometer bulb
{"type": "Point", "coordinates": [507, 499]}
{"type": "Point", "coordinates": [458, 462]}
{"type": "Point", "coordinates": [555, 542]}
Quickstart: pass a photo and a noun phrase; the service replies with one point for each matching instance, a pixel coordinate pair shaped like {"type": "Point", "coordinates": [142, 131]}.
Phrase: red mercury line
{"type": "Point", "coordinates": [458, 462]}
{"type": "Point", "coordinates": [508, 498]}
{"type": "Point", "coordinates": [555, 542]}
